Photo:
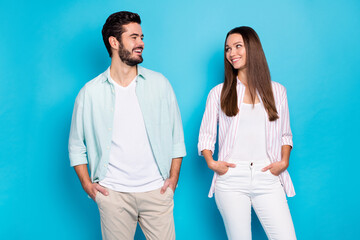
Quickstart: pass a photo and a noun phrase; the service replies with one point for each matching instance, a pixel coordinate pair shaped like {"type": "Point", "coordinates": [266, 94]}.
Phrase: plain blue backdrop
{"type": "Point", "coordinates": [50, 49]}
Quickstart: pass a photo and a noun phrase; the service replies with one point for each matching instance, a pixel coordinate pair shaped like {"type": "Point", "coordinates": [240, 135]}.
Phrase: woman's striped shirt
{"type": "Point", "coordinates": [278, 132]}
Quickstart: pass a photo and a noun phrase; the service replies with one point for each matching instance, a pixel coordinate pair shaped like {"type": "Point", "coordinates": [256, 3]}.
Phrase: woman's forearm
{"type": "Point", "coordinates": [285, 154]}
{"type": "Point", "coordinates": [208, 158]}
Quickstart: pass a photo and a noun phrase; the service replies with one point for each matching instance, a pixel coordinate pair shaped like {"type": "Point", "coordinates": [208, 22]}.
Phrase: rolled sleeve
{"type": "Point", "coordinates": [77, 147]}
{"type": "Point", "coordinates": [208, 128]}
{"type": "Point", "coordinates": [178, 143]}
{"type": "Point", "coordinates": [286, 137]}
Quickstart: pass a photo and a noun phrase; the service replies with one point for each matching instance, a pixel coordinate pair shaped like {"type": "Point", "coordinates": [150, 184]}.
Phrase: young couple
{"type": "Point", "coordinates": [126, 131]}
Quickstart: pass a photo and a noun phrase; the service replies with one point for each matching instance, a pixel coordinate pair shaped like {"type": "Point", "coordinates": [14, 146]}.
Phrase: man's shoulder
{"type": "Point", "coordinates": [152, 75]}
{"type": "Point", "coordinates": [97, 80]}
{"type": "Point", "coordinates": [94, 84]}
{"type": "Point", "coordinates": [155, 81]}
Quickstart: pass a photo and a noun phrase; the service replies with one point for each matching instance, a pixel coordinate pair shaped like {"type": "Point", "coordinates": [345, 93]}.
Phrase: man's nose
{"type": "Point", "coordinates": [140, 42]}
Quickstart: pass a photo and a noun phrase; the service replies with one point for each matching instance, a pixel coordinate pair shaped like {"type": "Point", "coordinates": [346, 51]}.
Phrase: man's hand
{"type": "Point", "coordinates": [90, 188]}
{"type": "Point", "coordinates": [170, 182]}
{"type": "Point", "coordinates": [174, 175]}
{"type": "Point", "coordinates": [93, 188]}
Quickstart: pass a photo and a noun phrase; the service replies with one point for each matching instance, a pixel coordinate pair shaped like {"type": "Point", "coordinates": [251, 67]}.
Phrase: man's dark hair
{"type": "Point", "coordinates": [114, 26]}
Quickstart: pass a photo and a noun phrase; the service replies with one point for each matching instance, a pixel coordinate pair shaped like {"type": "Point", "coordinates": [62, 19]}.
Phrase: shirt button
{"type": "Point", "coordinates": [109, 129]}
{"type": "Point", "coordinates": [108, 147]}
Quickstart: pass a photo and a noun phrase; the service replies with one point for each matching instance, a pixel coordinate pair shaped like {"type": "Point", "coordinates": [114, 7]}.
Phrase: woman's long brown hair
{"type": "Point", "coordinates": [257, 72]}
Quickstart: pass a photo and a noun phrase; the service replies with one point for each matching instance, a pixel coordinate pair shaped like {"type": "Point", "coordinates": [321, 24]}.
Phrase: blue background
{"type": "Point", "coordinates": [50, 49]}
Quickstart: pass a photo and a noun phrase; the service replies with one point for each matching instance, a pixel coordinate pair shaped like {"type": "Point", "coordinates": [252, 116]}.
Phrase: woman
{"type": "Point", "coordinates": [255, 141]}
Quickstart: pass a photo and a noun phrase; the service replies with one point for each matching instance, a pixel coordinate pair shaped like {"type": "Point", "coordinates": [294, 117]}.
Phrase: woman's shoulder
{"type": "Point", "coordinates": [216, 91]}
{"type": "Point", "coordinates": [279, 92]}
{"type": "Point", "coordinates": [278, 88]}
{"type": "Point", "coordinates": [277, 85]}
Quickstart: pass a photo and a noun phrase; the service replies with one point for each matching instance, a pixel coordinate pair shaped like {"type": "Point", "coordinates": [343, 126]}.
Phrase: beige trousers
{"type": "Point", "coordinates": [120, 212]}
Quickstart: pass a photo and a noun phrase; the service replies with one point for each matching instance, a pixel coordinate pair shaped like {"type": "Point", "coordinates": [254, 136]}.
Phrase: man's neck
{"type": "Point", "coordinates": [122, 73]}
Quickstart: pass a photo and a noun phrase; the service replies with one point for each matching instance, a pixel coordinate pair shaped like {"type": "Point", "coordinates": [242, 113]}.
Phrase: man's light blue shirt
{"type": "Point", "coordinates": [92, 122]}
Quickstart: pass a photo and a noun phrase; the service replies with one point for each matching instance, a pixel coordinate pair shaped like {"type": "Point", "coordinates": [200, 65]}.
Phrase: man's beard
{"type": "Point", "coordinates": [125, 56]}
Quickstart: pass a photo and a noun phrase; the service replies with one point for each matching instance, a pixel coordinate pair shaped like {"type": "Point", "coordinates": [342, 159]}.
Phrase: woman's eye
{"type": "Point", "coordinates": [227, 49]}
{"type": "Point", "coordinates": [238, 46]}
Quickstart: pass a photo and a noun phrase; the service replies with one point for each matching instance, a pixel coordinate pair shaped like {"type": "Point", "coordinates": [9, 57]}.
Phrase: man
{"type": "Point", "coordinates": [126, 128]}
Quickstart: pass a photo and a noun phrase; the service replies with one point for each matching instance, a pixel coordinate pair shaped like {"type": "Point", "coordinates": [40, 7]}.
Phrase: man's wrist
{"type": "Point", "coordinates": [174, 178]}
{"type": "Point", "coordinates": [86, 184]}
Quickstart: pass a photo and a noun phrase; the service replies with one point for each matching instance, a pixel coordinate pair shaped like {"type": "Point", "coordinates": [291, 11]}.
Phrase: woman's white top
{"type": "Point", "coordinates": [250, 143]}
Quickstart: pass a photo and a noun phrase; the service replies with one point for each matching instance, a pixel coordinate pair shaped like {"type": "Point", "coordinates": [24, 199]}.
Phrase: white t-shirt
{"type": "Point", "coordinates": [250, 143]}
{"type": "Point", "coordinates": [132, 166]}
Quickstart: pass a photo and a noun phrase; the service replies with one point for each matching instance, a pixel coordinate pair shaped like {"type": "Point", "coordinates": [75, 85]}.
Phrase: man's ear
{"type": "Point", "coordinates": [114, 43]}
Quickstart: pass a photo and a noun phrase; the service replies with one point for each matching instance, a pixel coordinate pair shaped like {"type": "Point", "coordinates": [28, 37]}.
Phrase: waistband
{"type": "Point", "coordinates": [246, 162]}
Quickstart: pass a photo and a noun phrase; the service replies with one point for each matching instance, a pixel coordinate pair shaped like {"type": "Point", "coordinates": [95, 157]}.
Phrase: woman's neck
{"type": "Point", "coordinates": [242, 77]}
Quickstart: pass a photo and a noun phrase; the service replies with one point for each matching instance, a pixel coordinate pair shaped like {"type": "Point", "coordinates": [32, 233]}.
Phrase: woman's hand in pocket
{"type": "Point", "coordinates": [221, 167]}
{"type": "Point", "coordinates": [276, 168]}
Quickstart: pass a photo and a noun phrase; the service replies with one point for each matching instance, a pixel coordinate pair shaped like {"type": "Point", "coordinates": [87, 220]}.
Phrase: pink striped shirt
{"type": "Point", "coordinates": [278, 132]}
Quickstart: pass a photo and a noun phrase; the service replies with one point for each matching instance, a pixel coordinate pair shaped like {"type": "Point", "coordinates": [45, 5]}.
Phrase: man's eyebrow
{"type": "Point", "coordinates": [136, 35]}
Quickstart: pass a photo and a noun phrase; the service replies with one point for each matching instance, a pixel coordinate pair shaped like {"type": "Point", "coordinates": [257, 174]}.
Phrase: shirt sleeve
{"type": "Point", "coordinates": [178, 143]}
{"type": "Point", "coordinates": [208, 128]}
{"type": "Point", "coordinates": [286, 137]}
{"type": "Point", "coordinates": [77, 146]}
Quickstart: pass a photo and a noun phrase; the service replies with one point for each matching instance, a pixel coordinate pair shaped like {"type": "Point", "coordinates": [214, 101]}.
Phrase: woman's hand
{"type": "Point", "coordinates": [277, 168]}
{"type": "Point", "coordinates": [221, 167]}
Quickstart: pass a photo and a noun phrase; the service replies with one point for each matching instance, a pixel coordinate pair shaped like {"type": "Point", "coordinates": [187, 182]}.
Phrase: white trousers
{"type": "Point", "coordinates": [245, 186]}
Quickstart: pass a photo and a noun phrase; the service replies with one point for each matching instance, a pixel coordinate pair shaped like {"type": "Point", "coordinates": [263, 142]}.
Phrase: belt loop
{"type": "Point", "coordinates": [252, 170]}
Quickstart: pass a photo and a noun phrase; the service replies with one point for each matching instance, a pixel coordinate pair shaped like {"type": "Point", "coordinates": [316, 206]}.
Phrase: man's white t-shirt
{"type": "Point", "coordinates": [132, 166]}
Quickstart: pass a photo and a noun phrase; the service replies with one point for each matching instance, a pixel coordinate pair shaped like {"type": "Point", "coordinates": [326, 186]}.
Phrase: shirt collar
{"type": "Point", "coordinates": [241, 84]}
{"type": "Point", "coordinates": [140, 73]}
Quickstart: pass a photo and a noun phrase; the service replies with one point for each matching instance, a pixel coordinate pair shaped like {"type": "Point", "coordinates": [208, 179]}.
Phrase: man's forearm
{"type": "Point", "coordinates": [175, 168]}
{"type": "Point", "coordinates": [83, 174]}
